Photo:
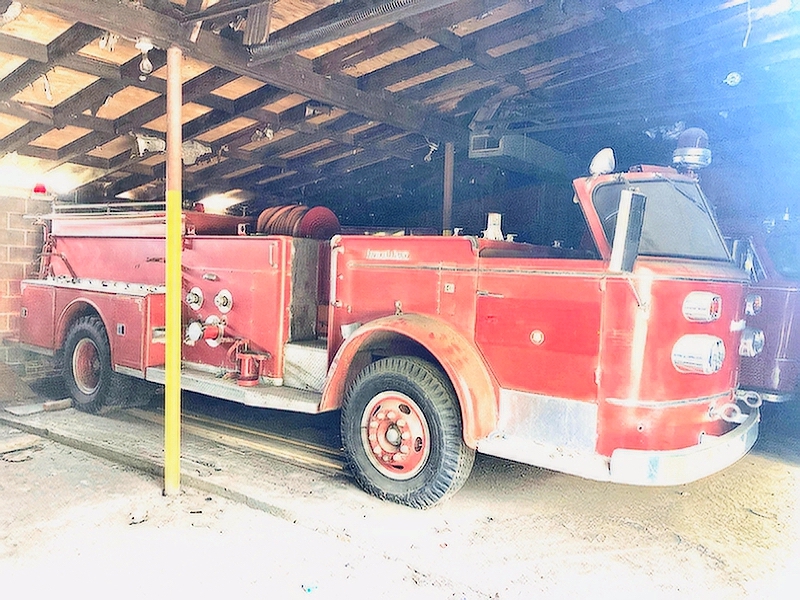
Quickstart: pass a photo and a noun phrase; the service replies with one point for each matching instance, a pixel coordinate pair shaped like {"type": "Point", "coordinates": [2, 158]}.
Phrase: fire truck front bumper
{"type": "Point", "coordinates": [675, 467]}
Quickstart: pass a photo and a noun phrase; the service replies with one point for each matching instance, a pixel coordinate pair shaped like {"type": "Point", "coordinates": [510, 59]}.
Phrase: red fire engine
{"type": "Point", "coordinates": [615, 361]}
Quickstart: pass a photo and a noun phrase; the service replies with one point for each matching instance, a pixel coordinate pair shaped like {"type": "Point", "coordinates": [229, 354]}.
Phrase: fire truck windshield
{"type": "Point", "coordinates": [677, 219]}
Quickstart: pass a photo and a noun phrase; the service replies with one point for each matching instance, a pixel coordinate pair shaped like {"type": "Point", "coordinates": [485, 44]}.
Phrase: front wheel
{"type": "Point", "coordinates": [88, 374]}
{"type": "Point", "coordinates": [402, 433]}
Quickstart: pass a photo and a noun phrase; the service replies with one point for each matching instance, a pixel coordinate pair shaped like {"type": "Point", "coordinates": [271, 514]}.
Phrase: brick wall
{"type": "Point", "coordinates": [20, 243]}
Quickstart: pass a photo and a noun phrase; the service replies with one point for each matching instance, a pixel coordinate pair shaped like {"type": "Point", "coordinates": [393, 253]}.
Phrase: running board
{"type": "Point", "coordinates": [260, 396]}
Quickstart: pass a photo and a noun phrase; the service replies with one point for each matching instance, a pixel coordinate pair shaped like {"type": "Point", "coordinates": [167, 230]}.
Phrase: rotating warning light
{"type": "Point", "coordinates": [692, 151]}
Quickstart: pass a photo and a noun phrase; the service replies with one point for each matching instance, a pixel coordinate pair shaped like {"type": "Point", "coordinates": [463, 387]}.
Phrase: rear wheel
{"type": "Point", "coordinates": [88, 374]}
{"type": "Point", "coordinates": [402, 433]}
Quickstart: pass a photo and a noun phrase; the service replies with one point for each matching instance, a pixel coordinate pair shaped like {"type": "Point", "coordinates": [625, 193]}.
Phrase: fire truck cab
{"type": "Point", "coordinates": [615, 360]}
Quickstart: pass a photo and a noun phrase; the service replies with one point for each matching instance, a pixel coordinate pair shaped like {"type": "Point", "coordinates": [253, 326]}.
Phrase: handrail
{"type": "Point", "coordinates": [107, 207]}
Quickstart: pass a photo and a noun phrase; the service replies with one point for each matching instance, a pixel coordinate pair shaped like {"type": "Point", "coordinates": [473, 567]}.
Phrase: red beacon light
{"type": "Point", "coordinates": [692, 151]}
{"type": "Point", "coordinates": [40, 188]}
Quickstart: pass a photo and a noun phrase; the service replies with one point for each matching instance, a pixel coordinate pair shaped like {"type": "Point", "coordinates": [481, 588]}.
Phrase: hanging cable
{"type": "Point", "coordinates": [749, 25]}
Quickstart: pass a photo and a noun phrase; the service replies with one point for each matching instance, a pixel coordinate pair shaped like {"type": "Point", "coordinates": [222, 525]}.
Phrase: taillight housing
{"type": "Point", "coordinates": [698, 353]}
{"type": "Point", "coordinates": [702, 307]}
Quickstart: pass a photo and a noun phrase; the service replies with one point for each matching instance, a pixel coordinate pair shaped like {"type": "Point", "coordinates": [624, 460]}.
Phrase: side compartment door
{"type": "Point", "coordinates": [538, 324]}
{"type": "Point", "coordinates": [37, 315]}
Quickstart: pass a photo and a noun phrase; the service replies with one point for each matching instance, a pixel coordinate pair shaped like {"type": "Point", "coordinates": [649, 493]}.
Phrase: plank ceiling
{"type": "Point", "coordinates": [291, 99]}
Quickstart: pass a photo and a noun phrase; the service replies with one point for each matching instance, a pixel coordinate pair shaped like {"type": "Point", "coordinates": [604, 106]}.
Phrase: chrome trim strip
{"type": "Point", "coordinates": [655, 404]}
{"type": "Point", "coordinates": [99, 285]}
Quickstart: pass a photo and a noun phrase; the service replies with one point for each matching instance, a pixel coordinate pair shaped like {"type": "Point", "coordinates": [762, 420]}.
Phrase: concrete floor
{"type": "Point", "coordinates": [70, 521]}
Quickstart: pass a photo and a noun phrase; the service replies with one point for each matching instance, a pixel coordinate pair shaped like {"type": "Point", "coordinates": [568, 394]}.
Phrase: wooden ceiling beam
{"type": "Point", "coordinates": [250, 180]}
{"type": "Point", "coordinates": [11, 44]}
{"type": "Point", "coordinates": [128, 183]}
{"type": "Point", "coordinates": [22, 137]}
{"type": "Point", "coordinates": [81, 146]}
{"type": "Point", "coordinates": [72, 40]}
{"type": "Point", "coordinates": [207, 82]}
{"type": "Point", "coordinates": [93, 162]}
{"type": "Point", "coordinates": [339, 168]}
{"type": "Point", "coordinates": [212, 173]}
{"type": "Point", "coordinates": [92, 97]}
{"type": "Point", "coordinates": [410, 67]}
{"type": "Point", "coordinates": [364, 48]}
{"type": "Point", "coordinates": [595, 29]}
{"type": "Point", "coordinates": [292, 74]}
{"type": "Point", "coordinates": [434, 24]}
{"type": "Point", "coordinates": [338, 20]}
{"type": "Point", "coordinates": [220, 9]}
{"type": "Point", "coordinates": [92, 66]}
{"type": "Point", "coordinates": [449, 15]}
{"type": "Point", "coordinates": [402, 148]}
{"type": "Point", "coordinates": [29, 112]}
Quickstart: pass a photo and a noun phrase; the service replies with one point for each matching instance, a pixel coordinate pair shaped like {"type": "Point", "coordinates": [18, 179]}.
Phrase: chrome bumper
{"type": "Point", "coordinates": [675, 467]}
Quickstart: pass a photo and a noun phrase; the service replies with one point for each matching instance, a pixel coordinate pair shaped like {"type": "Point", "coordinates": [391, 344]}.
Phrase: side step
{"type": "Point", "coordinates": [305, 365]}
{"type": "Point", "coordinates": [261, 396]}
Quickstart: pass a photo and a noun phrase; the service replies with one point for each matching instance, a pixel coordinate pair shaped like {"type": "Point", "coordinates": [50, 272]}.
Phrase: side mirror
{"type": "Point", "coordinates": [628, 231]}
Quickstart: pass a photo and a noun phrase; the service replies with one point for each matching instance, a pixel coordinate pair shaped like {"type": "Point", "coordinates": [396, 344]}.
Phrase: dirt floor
{"type": "Point", "coordinates": [74, 523]}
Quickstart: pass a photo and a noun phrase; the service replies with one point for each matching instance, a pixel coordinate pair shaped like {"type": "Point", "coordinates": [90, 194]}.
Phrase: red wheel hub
{"type": "Point", "coordinates": [86, 367]}
{"type": "Point", "coordinates": [395, 435]}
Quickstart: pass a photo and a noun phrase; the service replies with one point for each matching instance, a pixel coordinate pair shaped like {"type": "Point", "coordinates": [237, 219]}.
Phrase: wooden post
{"type": "Point", "coordinates": [447, 209]}
{"type": "Point", "coordinates": [172, 392]}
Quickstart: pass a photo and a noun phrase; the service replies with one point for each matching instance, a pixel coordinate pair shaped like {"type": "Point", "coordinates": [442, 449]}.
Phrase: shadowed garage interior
{"type": "Point", "coordinates": [350, 104]}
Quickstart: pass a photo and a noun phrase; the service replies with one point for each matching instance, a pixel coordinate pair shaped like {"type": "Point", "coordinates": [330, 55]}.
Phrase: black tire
{"type": "Point", "coordinates": [88, 374]}
{"type": "Point", "coordinates": [143, 393]}
{"type": "Point", "coordinates": [405, 399]}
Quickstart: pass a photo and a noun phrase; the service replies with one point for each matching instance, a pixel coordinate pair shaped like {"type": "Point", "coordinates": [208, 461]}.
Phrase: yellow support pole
{"type": "Point", "coordinates": [172, 383]}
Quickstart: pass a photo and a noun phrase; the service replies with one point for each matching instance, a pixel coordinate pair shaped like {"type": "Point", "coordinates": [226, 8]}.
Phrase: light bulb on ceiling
{"type": "Point", "coordinates": [144, 45]}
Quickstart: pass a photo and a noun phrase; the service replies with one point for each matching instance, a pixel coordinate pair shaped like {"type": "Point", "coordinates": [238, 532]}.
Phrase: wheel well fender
{"type": "Point", "coordinates": [462, 363]}
{"type": "Point", "coordinates": [80, 307]}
